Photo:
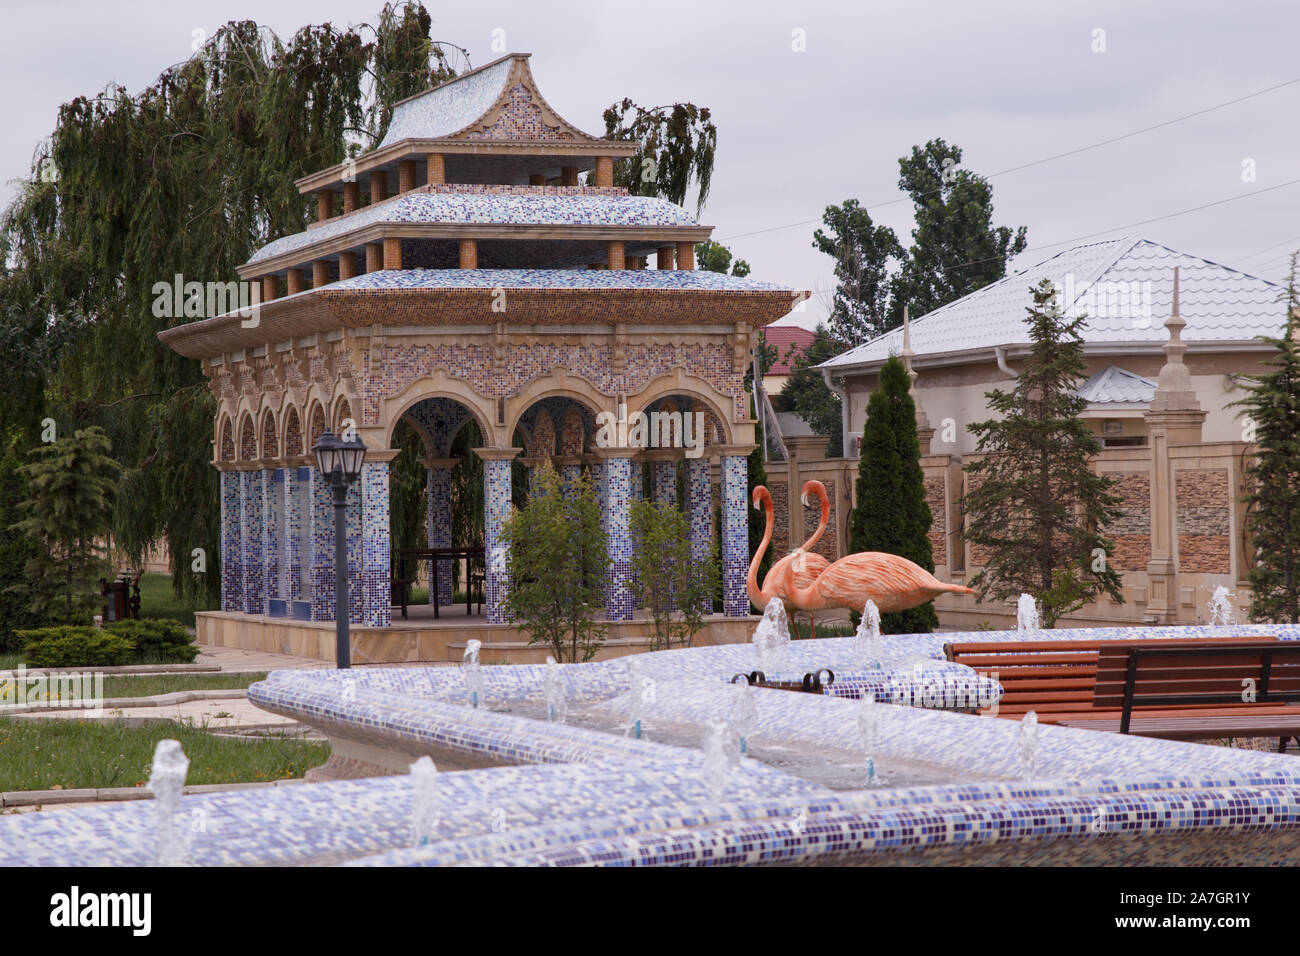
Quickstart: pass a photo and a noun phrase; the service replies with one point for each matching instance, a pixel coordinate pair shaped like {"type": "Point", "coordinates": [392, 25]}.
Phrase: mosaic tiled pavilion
{"type": "Point", "coordinates": [458, 272]}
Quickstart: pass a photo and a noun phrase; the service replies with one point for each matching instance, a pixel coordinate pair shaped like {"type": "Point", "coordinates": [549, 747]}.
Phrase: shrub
{"type": "Point", "coordinates": [157, 640]}
{"type": "Point", "coordinates": [122, 642]}
{"type": "Point", "coordinates": [76, 647]}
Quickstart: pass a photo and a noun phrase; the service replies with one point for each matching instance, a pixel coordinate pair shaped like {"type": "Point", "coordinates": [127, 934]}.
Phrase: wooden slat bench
{"type": "Point", "coordinates": [1180, 689]}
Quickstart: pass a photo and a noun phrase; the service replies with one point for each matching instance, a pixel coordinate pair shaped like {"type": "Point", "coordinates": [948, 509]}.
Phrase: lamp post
{"type": "Point", "coordinates": [339, 461]}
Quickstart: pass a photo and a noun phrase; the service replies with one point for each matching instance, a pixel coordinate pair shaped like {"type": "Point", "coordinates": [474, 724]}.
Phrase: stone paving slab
{"type": "Point", "coordinates": [243, 715]}
{"type": "Point", "coordinates": [25, 800]}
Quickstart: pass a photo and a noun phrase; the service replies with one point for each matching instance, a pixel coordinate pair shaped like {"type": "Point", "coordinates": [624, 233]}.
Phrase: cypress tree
{"type": "Point", "coordinates": [892, 514]}
{"type": "Point", "coordinates": [69, 512]}
{"type": "Point", "coordinates": [1037, 505]}
{"type": "Point", "coordinates": [1272, 420]}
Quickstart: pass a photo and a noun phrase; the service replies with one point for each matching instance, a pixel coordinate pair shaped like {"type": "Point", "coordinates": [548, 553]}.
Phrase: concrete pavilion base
{"type": "Point", "coordinates": [421, 639]}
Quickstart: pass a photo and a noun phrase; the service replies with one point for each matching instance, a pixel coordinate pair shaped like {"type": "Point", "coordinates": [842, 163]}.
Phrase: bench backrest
{"type": "Point", "coordinates": [1196, 673]}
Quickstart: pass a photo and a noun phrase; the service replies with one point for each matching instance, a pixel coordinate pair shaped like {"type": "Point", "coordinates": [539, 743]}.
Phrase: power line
{"type": "Point", "coordinates": [1045, 159]}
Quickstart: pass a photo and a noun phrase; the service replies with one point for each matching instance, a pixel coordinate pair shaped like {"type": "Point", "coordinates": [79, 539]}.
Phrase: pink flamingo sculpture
{"type": "Point", "coordinates": [894, 583]}
{"type": "Point", "coordinates": [777, 582]}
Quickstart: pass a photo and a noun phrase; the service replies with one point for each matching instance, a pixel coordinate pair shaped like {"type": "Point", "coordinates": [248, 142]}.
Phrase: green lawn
{"type": "Point", "coordinates": [150, 684]}
{"type": "Point", "coordinates": [157, 600]}
{"type": "Point", "coordinates": [75, 754]}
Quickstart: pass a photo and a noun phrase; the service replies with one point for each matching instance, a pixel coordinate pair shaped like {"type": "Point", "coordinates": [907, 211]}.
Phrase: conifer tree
{"type": "Point", "coordinates": [892, 514]}
{"type": "Point", "coordinates": [1036, 505]}
{"type": "Point", "coordinates": [69, 512]}
{"type": "Point", "coordinates": [1272, 419]}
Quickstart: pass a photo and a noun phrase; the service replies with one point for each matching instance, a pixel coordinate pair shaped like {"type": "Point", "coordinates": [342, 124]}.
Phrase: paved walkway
{"type": "Point", "coordinates": [233, 659]}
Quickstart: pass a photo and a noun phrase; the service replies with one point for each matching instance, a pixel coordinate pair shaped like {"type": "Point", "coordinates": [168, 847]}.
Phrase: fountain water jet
{"type": "Point", "coordinates": [744, 713]}
{"type": "Point", "coordinates": [1221, 607]}
{"type": "Point", "coordinates": [721, 757]}
{"type": "Point", "coordinates": [772, 637]}
{"type": "Point", "coordinates": [867, 650]}
{"type": "Point", "coordinates": [1027, 747]}
{"type": "Point", "coordinates": [424, 801]}
{"type": "Point", "coordinates": [166, 780]}
{"type": "Point", "coordinates": [1027, 621]}
{"type": "Point", "coordinates": [472, 672]}
{"type": "Point", "coordinates": [867, 738]}
{"type": "Point", "coordinates": [557, 707]}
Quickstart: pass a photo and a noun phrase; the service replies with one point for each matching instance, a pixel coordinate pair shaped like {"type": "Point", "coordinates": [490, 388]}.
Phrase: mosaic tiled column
{"type": "Point", "coordinates": [272, 538]}
{"type": "Point", "coordinates": [438, 487]}
{"type": "Point", "coordinates": [636, 478]}
{"type": "Point", "coordinates": [570, 470]}
{"type": "Point", "coordinates": [496, 509]}
{"type": "Point", "coordinates": [699, 511]}
{"type": "Point", "coordinates": [295, 520]}
{"type": "Point", "coordinates": [355, 560]}
{"type": "Point", "coordinates": [663, 478]}
{"type": "Point", "coordinates": [374, 597]}
{"type": "Point", "coordinates": [618, 482]}
{"type": "Point", "coordinates": [232, 519]}
{"type": "Point", "coordinates": [735, 535]}
{"type": "Point", "coordinates": [251, 544]}
{"type": "Point", "coordinates": [322, 547]}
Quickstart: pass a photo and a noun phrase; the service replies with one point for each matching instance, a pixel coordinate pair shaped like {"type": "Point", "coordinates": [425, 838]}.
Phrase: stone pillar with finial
{"type": "Point", "coordinates": [1174, 418]}
{"type": "Point", "coordinates": [924, 430]}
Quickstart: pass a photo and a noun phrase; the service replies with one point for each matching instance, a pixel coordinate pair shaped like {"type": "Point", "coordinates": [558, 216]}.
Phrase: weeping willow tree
{"type": "Point", "coordinates": [189, 176]}
{"type": "Point", "coordinates": [675, 147]}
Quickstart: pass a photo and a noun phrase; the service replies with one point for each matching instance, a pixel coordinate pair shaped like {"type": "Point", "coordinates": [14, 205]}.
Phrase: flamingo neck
{"type": "Point", "coordinates": [756, 595]}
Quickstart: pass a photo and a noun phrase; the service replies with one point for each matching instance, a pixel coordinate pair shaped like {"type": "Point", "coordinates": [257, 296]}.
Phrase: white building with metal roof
{"type": "Point", "coordinates": [1125, 289]}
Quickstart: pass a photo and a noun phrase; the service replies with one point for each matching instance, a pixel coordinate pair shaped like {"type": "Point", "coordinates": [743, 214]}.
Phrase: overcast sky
{"type": "Point", "coordinates": [1009, 82]}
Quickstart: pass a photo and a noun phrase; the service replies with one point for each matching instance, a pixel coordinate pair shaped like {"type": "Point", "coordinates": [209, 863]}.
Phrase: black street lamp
{"type": "Point", "coordinates": [340, 463]}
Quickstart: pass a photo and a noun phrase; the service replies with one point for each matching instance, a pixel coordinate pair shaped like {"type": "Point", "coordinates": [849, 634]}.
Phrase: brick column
{"type": "Point", "coordinates": [351, 197]}
{"type": "Point", "coordinates": [537, 179]}
{"type": "Point", "coordinates": [406, 176]}
{"type": "Point", "coordinates": [270, 288]}
{"type": "Point", "coordinates": [469, 254]}
{"type": "Point", "coordinates": [320, 273]}
{"type": "Point", "coordinates": [347, 265]}
{"type": "Point", "coordinates": [614, 255]}
{"type": "Point", "coordinates": [735, 534]}
{"type": "Point", "coordinates": [374, 256]}
{"type": "Point", "coordinates": [392, 253]}
{"type": "Point", "coordinates": [251, 542]}
{"type": "Point", "coordinates": [568, 175]}
{"type": "Point", "coordinates": [616, 515]}
{"type": "Point", "coordinates": [232, 520]}
{"type": "Point", "coordinates": [324, 204]}
{"type": "Point", "coordinates": [437, 169]}
{"type": "Point", "coordinates": [686, 255]}
{"type": "Point", "coordinates": [438, 490]}
{"type": "Point", "coordinates": [604, 171]}
{"type": "Point", "coordinates": [296, 282]}
{"type": "Point", "coordinates": [666, 257]}
{"type": "Point", "coordinates": [378, 186]}
{"type": "Point", "coordinates": [496, 509]}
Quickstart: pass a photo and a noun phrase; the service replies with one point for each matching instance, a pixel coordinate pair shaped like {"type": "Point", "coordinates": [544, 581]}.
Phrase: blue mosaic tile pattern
{"type": "Point", "coordinates": [232, 572]}
{"type": "Point", "coordinates": [254, 593]}
{"type": "Point", "coordinates": [619, 485]}
{"type": "Point", "coordinates": [735, 535]}
{"type": "Point", "coordinates": [375, 594]}
{"type": "Point", "coordinates": [670, 280]}
{"type": "Point", "coordinates": [699, 508]}
{"type": "Point", "coordinates": [272, 531]}
{"type": "Point", "coordinates": [448, 109]}
{"type": "Point", "coordinates": [438, 487]}
{"type": "Point", "coordinates": [490, 209]}
{"type": "Point", "coordinates": [322, 548]}
{"type": "Point", "coordinates": [496, 509]}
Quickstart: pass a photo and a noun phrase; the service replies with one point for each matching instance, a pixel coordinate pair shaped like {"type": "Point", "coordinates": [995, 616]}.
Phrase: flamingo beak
{"type": "Point", "coordinates": [804, 499]}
